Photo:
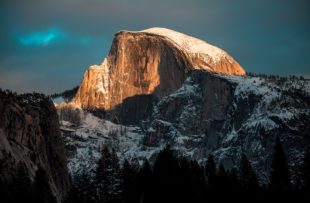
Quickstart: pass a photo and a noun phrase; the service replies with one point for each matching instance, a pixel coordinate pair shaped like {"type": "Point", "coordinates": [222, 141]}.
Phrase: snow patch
{"type": "Point", "coordinates": [191, 45]}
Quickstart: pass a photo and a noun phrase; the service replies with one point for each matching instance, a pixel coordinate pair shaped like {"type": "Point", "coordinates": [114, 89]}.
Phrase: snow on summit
{"type": "Point", "coordinates": [188, 43]}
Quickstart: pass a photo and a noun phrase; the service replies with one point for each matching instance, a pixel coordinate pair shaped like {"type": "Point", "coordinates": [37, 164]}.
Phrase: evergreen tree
{"type": "Point", "coordinates": [222, 174]}
{"type": "Point", "coordinates": [211, 173]}
{"type": "Point", "coordinates": [187, 180]}
{"type": "Point", "coordinates": [167, 176]}
{"type": "Point", "coordinates": [222, 185]}
{"type": "Point", "coordinates": [306, 171]}
{"type": "Point", "coordinates": [146, 183]}
{"type": "Point", "coordinates": [279, 179]}
{"type": "Point", "coordinates": [82, 189]}
{"type": "Point", "coordinates": [233, 183]}
{"type": "Point", "coordinates": [107, 178]}
{"type": "Point", "coordinates": [103, 176]}
{"type": "Point", "coordinates": [117, 184]}
{"type": "Point", "coordinates": [247, 175]}
{"type": "Point", "coordinates": [197, 184]}
{"type": "Point", "coordinates": [131, 191]}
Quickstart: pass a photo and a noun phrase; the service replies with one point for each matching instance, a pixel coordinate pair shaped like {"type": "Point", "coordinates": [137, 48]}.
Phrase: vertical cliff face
{"type": "Point", "coordinates": [154, 61]}
{"type": "Point", "coordinates": [199, 108]}
{"type": "Point", "coordinates": [30, 136]}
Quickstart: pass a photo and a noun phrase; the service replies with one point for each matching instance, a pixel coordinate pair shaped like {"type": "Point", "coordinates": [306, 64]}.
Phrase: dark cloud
{"type": "Point", "coordinates": [47, 45]}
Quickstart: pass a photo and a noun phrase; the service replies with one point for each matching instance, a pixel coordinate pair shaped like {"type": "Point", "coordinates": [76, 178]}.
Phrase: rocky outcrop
{"type": "Point", "coordinates": [200, 107]}
{"type": "Point", "coordinates": [222, 115]}
{"type": "Point", "coordinates": [154, 61]}
{"type": "Point", "coordinates": [230, 115]}
{"type": "Point", "coordinates": [30, 136]}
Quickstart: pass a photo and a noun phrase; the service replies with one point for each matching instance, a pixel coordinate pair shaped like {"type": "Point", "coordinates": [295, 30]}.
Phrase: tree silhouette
{"type": "Point", "coordinates": [248, 178]}
{"type": "Point", "coordinates": [211, 173]}
{"type": "Point", "coordinates": [279, 179]}
{"type": "Point", "coordinates": [131, 192]}
{"type": "Point", "coordinates": [167, 176]}
{"type": "Point", "coordinates": [146, 183]}
{"type": "Point", "coordinates": [222, 183]}
{"type": "Point", "coordinates": [306, 171]}
{"type": "Point", "coordinates": [197, 184]}
{"type": "Point", "coordinates": [107, 178]}
{"type": "Point", "coordinates": [82, 190]}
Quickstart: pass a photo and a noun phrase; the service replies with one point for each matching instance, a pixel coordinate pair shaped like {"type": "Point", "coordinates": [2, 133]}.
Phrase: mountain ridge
{"type": "Point", "coordinates": [209, 114]}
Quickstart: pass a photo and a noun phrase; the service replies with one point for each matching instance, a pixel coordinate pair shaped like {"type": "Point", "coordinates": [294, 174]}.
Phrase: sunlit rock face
{"type": "Point", "coordinates": [155, 62]}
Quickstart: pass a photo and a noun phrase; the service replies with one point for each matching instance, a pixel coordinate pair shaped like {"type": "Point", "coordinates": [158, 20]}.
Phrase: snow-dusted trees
{"type": "Point", "coordinates": [107, 181]}
{"type": "Point", "coordinates": [71, 115]}
{"type": "Point", "coordinates": [174, 178]}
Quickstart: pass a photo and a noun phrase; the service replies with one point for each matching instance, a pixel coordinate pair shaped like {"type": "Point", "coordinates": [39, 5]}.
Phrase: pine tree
{"type": "Point", "coordinates": [107, 179]}
{"type": "Point", "coordinates": [167, 176]}
{"type": "Point", "coordinates": [82, 190]}
{"type": "Point", "coordinates": [222, 172]}
{"type": "Point", "coordinates": [197, 182]}
{"type": "Point", "coordinates": [306, 171]}
{"type": "Point", "coordinates": [211, 173]}
{"type": "Point", "coordinates": [131, 191]}
{"type": "Point", "coordinates": [279, 179]}
{"type": "Point", "coordinates": [233, 183]}
{"type": "Point", "coordinates": [247, 175]}
{"type": "Point", "coordinates": [103, 176]}
{"type": "Point", "coordinates": [222, 180]}
{"type": "Point", "coordinates": [146, 183]}
{"type": "Point", "coordinates": [187, 180]}
{"type": "Point", "coordinates": [117, 179]}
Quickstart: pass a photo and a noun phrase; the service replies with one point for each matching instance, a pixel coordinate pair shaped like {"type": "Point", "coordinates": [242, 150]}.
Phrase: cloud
{"type": "Point", "coordinates": [41, 38]}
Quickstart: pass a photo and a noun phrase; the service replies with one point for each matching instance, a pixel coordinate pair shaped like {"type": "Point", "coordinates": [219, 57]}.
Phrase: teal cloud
{"type": "Point", "coordinates": [41, 38]}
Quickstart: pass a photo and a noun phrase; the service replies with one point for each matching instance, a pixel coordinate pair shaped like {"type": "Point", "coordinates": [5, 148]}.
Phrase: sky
{"type": "Point", "coordinates": [46, 46]}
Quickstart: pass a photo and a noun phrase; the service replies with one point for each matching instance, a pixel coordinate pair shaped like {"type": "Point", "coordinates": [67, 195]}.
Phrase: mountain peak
{"type": "Point", "coordinates": [202, 54]}
{"type": "Point", "coordinates": [155, 61]}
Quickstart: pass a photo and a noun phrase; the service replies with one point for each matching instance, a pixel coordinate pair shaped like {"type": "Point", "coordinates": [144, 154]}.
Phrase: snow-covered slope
{"type": "Point", "coordinates": [218, 114]}
{"type": "Point", "coordinates": [84, 141]}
